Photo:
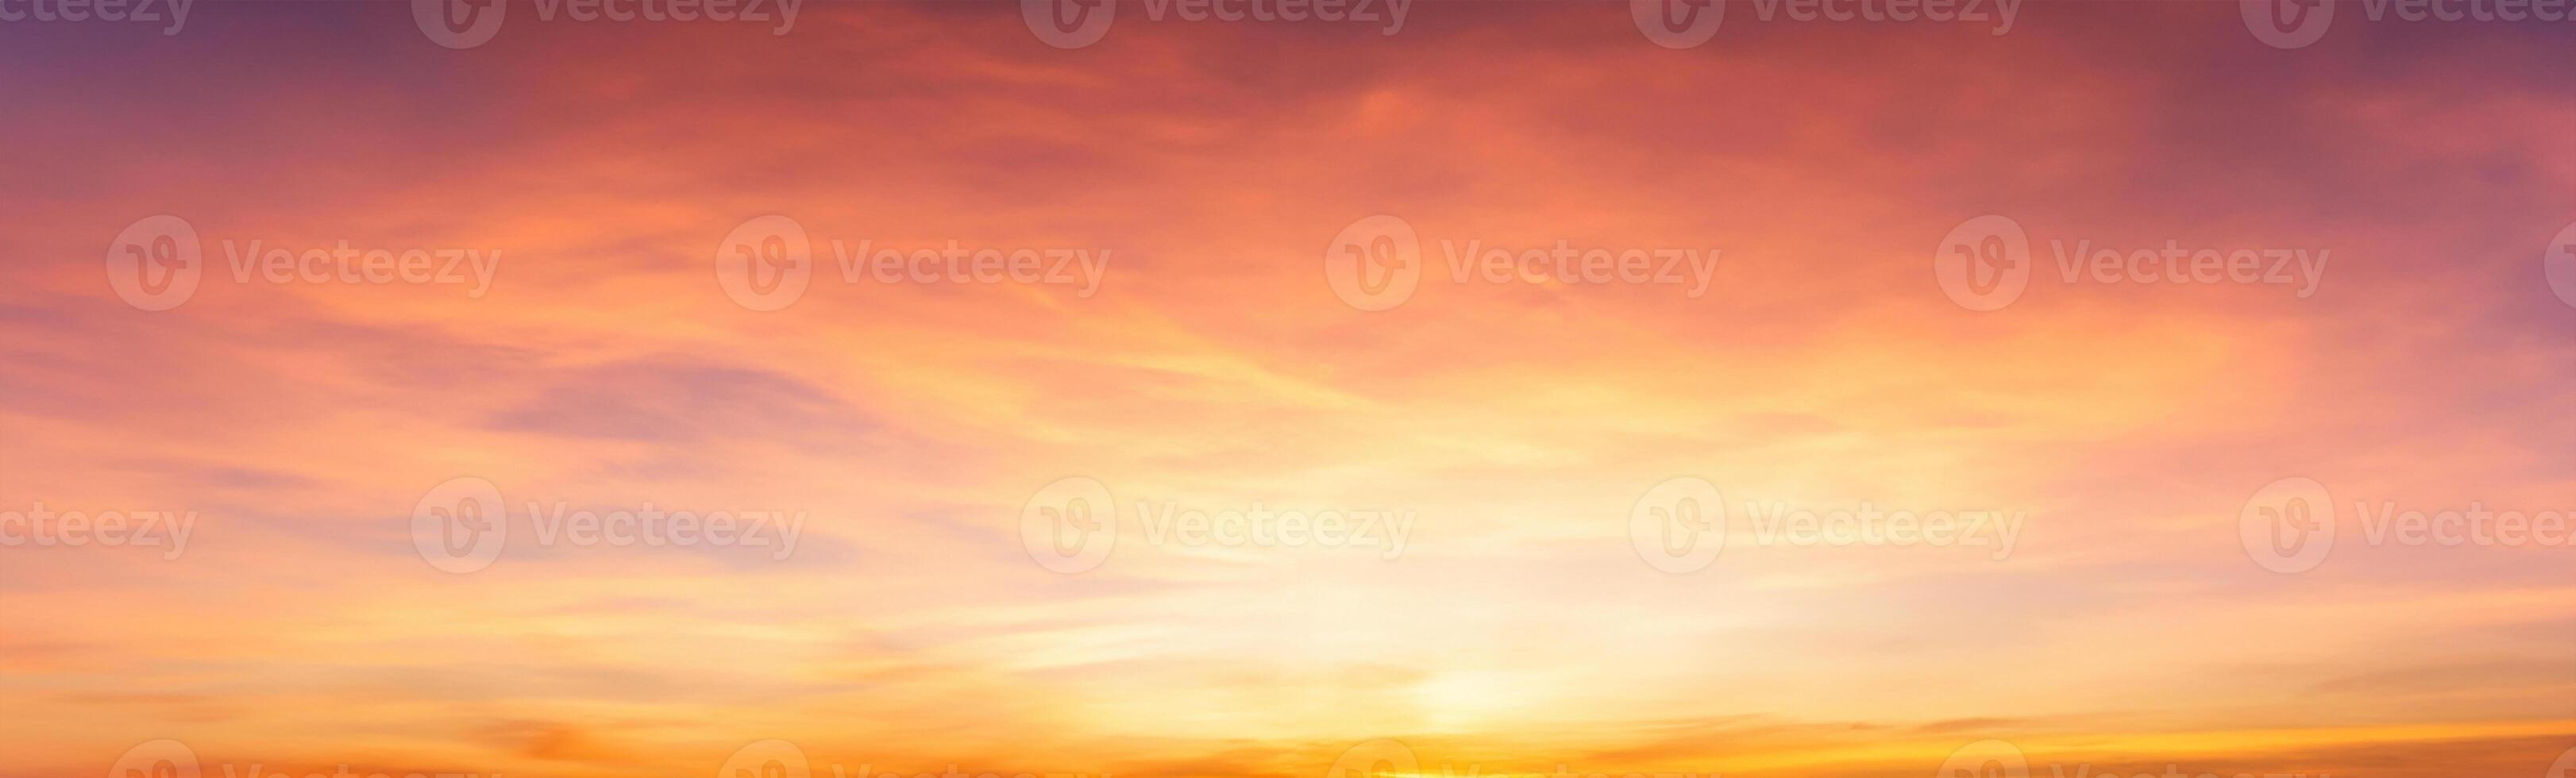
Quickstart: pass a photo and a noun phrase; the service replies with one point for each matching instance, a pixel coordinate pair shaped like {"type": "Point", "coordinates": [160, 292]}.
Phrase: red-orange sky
{"type": "Point", "coordinates": [1213, 206]}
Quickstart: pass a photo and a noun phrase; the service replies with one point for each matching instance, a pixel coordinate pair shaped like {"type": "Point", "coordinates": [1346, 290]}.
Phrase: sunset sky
{"type": "Point", "coordinates": [915, 435]}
